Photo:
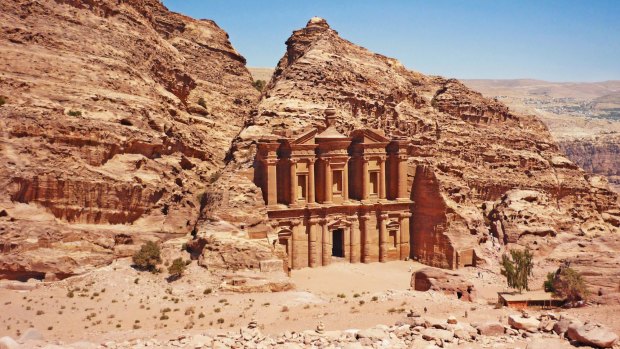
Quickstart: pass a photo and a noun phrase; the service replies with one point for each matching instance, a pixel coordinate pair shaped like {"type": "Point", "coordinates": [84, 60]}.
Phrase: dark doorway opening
{"type": "Point", "coordinates": [338, 243]}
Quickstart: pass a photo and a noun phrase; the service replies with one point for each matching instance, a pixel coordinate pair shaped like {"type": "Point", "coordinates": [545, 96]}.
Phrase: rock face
{"type": "Point", "coordinates": [117, 114]}
{"type": "Point", "coordinates": [439, 280]}
{"type": "Point", "coordinates": [598, 155]}
{"type": "Point", "coordinates": [472, 162]}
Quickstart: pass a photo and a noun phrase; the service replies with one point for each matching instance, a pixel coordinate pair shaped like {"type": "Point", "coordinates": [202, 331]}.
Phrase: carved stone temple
{"type": "Point", "coordinates": [336, 197]}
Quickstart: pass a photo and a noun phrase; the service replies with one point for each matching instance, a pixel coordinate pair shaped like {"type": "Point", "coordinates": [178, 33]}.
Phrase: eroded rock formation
{"type": "Point", "coordinates": [598, 155]}
{"type": "Point", "coordinates": [117, 114]}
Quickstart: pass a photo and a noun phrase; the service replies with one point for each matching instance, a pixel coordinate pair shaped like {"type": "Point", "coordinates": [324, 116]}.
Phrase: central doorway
{"type": "Point", "coordinates": [338, 243]}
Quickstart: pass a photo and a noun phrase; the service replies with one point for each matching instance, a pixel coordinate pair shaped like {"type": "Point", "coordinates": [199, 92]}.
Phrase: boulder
{"type": "Point", "coordinates": [431, 334]}
{"type": "Point", "coordinates": [8, 343]}
{"type": "Point", "coordinates": [592, 334]}
{"type": "Point", "coordinates": [520, 323]}
{"type": "Point", "coordinates": [491, 328]}
{"type": "Point", "coordinates": [561, 326]}
{"type": "Point", "coordinates": [373, 334]}
{"type": "Point", "coordinates": [440, 280]}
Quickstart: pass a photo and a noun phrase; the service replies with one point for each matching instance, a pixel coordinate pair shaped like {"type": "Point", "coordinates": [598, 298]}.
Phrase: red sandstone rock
{"type": "Point", "coordinates": [443, 281]}
{"type": "Point", "coordinates": [137, 158]}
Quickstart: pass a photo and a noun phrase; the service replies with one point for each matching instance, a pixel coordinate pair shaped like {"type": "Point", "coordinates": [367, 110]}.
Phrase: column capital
{"type": "Point", "coordinates": [274, 224]}
{"type": "Point", "coordinates": [384, 216]}
{"type": "Point", "coordinates": [293, 160]}
{"type": "Point", "coordinates": [403, 157]}
{"type": "Point", "coordinates": [314, 220]}
{"type": "Point", "coordinates": [271, 161]}
{"type": "Point", "coordinates": [406, 215]}
{"type": "Point", "coordinates": [353, 218]}
{"type": "Point", "coordinates": [364, 218]}
{"type": "Point", "coordinates": [323, 221]}
{"type": "Point", "coordinates": [311, 160]}
{"type": "Point", "coordinates": [295, 222]}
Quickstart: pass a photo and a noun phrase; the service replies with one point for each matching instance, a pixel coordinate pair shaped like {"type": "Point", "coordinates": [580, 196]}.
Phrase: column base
{"type": "Point", "coordinates": [403, 199]}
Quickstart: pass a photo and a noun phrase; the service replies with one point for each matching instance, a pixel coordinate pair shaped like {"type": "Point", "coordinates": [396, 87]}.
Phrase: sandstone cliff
{"type": "Point", "coordinates": [466, 153]}
{"type": "Point", "coordinates": [599, 154]}
{"type": "Point", "coordinates": [116, 115]}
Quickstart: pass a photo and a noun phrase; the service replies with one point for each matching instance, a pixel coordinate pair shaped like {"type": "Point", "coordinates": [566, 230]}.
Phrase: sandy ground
{"type": "Point", "coordinates": [120, 303]}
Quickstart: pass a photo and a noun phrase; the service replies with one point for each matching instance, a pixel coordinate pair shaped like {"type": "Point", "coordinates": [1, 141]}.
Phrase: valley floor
{"type": "Point", "coordinates": [117, 303]}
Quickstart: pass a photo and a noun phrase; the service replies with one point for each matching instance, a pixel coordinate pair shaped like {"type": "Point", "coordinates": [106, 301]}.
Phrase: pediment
{"type": "Point", "coordinates": [369, 136]}
{"type": "Point", "coordinates": [306, 137]}
{"type": "Point", "coordinates": [338, 223]}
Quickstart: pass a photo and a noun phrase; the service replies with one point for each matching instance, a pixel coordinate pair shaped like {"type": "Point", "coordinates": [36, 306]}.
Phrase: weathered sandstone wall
{"type": "Point", "coordinates": [117, 115]}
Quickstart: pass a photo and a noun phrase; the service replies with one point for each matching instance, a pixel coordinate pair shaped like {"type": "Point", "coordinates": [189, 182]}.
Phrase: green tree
{"type": "Point", "coordinates": [570, 285]}
{"type": "Point", "coordinates": [259, 84]}
{"type": "Point", "coordinates": [148, 256]}
{"type": "Point", "coordinates": [517, 268]}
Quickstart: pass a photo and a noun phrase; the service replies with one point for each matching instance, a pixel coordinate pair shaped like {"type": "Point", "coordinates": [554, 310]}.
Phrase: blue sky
{"type": "Point", "coordinates": [557, 40]}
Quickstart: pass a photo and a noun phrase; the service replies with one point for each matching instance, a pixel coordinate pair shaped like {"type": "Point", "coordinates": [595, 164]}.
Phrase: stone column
{"type": "Point", "coordinates": [313, 259]}
{"type": "Point", "coordinates": [402, 177]}
{"type": "Point", "coordinates": [327, 247]}
{"type": "Point", "coordinates": [382, 178]}
{"type": "Point", "coordinates": [311, 197]}
{"type": "Point", "coordinates": [272, 184]}
{"type": "Point", "coordinates": [404, 246]}
{"type": "Point", "coordinates": [365, 179]}
{"type": "Point", "coordinates": [293, 182]}
{"type": "Point", "coordinates": [295, 238]}
{"type": "Point", "coordinates": [328, 182]}
{"type": "Point", "coordinates": [345, 181]}
{"type": "Point", "coordinates": [383, 238]}
{"type": "Point", "coordinates": [355, 239]}
{"type": "Point", "coordinates": [365, 237]}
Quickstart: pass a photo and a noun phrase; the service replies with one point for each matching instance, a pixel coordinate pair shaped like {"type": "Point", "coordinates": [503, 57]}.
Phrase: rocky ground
{"type": "Point", "coordinates": [339, 306]}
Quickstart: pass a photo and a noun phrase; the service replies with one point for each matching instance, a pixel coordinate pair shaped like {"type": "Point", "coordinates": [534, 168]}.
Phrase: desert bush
{"type": "Point", "coordinates": [517, 268]}
{"type": "Point", "coordinates": [74, 113]}
{"type": "Point", "coordinates": [548, 284]}
{"type": "Point", "coordinates": [147, 257]}
{"type": "Point", "coordinates": [259, 85]}
{"type": "Point", "coordinates": [2, 101]}
{"type": "Point", "coordinates": [177, 268]}
{"type": "Point", "coordinates": [202, 102]}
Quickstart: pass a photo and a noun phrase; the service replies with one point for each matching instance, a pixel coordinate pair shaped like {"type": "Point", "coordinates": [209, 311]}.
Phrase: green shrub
{"type": "Point", "coordinates": [2, 101]}
{"type": "Point", "coordinates": [147, 257]}
{"type": "Point", "coordinates": [548, 284]}
{"type": "Point", "coordinates": [569, 284]}
{"type": "Point", "coordinates": [259, 85]}
{"type": "Point", "coordinates": [177, 267]}
{"type": "Point", "coordinates": [74, 113]}
{"type": "Point", "coordinates": [202, 102]}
